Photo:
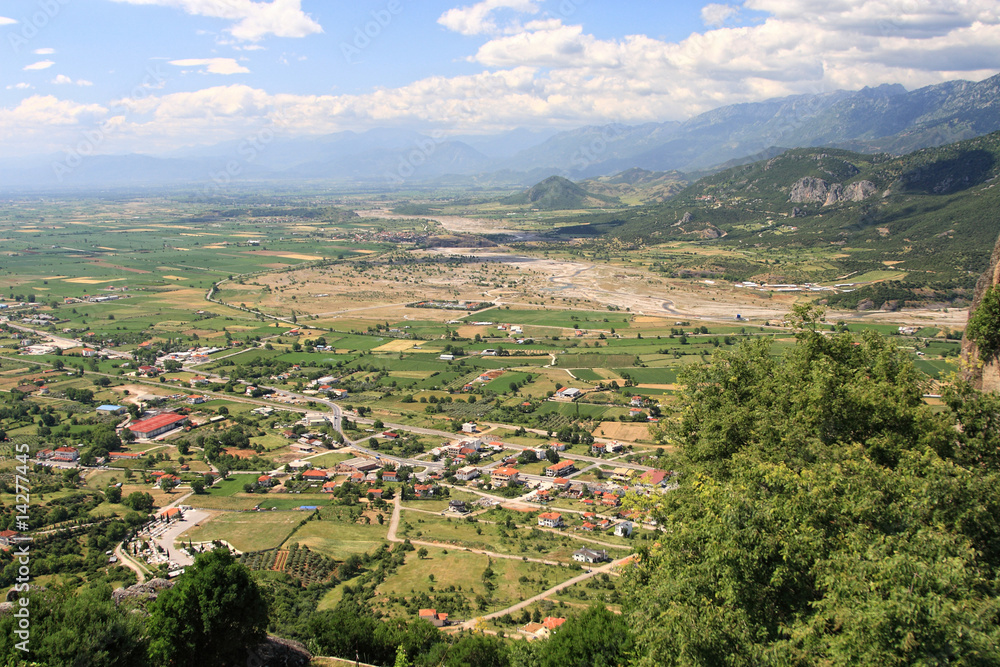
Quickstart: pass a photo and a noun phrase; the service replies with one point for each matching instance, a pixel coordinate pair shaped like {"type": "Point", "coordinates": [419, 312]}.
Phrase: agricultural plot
{"type": "Point", "coordinates": [247, 531]}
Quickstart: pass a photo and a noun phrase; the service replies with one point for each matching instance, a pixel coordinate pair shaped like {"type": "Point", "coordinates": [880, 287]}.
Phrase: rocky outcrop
{"type": "Point", "coordinates": [983, 376]}
{"type": "Point", "coordinates": [146, 592]}
{"type": "Point", "coordinates": [816, 190]}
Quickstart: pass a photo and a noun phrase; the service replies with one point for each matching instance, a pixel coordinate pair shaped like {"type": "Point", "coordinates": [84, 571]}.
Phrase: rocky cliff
{"type": "Point", "coordinates": [985, 377]}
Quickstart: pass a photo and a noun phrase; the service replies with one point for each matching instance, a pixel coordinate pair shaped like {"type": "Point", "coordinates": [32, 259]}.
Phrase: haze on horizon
{"type": "Point", "coordinates": [154, 76]}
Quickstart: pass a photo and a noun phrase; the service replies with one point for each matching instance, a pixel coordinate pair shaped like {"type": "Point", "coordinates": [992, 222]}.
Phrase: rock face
{"type": "Point", "coordinates": [985, 377]}
{"type": "Point", "coordinates": [816, 190]}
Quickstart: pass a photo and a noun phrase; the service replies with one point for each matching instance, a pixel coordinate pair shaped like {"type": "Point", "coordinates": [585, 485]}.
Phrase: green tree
{"type": "Point", "coordinates": [140, 501]}
{"type": "Point", "coordinates": [984, 324]}
{"type": "Point", "coordinates": [212, 616]}
{"type": "Point", "coordinates": [583, 641]}
{"type": "Point", "coordinates": [113, 494]}
{"type": "Point", "coordinates": [824, 515]}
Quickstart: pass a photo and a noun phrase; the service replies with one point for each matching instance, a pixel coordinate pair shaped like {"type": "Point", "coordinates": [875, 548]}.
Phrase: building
{"type": "Point", "coordinates": [66, 454]}
{"type": "Point", "coordinates": [505, 476]}
{"type": "Point", "coordinates": [467, 473]}
{"type": "Point", "coordinates": [158, 425]}
{"type": "Point", "coordinates": [315, 475]}
{"type": "Point", "coordinates": [424, 490]}
{"type": "Point", "coordinates": [598, 448]}
{"type": "Point", "coordinates": [624, 529]}
{"type": "Point", "coordinates": [571, 393]}
{"type": "Point", "coordinates": [434, 618]}
{"type": "Point", "coordinates": [390, 476]}
{"type": "Point", "coordinates": [550, 520]}
{"type": "Point", "coordinates": [590, 556]}
{"type": "Point", "coordinates": [457, 506]}
{"type": "Point", "coordinates": [469, 427]}
{"type": "Point", "coordinates": [561, 469]}
{"type": "Point", "coordinates": [110, 410]}
{"type": "Point", "coordinates": [622, 474]}
{"type": "Point", "coordinates": [265, 481]}
{"type": "Point", "coordinates": [654, 478]}
{"type": "Point", "coordinates": [125, 456]}
{"type": "Point", "coordinates": [7, 537]}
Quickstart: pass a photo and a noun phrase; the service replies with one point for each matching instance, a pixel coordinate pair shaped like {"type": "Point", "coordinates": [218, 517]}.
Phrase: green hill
{"type": "Point", "coordinates": [930, 216]}
{"type": "Point", "coordinates": [559, 194]}
{"type": "Point", "coordinates": [638, 185]}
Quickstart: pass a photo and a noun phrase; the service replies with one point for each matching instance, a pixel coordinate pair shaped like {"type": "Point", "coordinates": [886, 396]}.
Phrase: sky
{"type": "Point", "coordinates": [155, 76]}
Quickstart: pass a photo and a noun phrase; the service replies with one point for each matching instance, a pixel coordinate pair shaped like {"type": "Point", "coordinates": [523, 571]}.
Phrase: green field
{"type": "Point", "coordinates": [247, 531]}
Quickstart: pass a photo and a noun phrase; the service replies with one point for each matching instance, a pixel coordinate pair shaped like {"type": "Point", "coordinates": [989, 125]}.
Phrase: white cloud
{"type": "Point", "coordinates": [213, 65]}
{"type": "Point", "coordinates": [478, 19]}
{"type": "Point", "coordinates": [44, 123]}
{"type": "Point", "coordinates": [20, 86]}
{"type": "Point", "coordinates": [6, 21]}
{"type": "Point", "coordinates": [44, 52]}
{"type": "Point", "coordinates": [252, 21]}
{"type": "Point", "coordinates": [62, 80]}
{"type": "Point", "coordinates": [44, 64]}
{"type": "Point", "coordinates": [715, 15]}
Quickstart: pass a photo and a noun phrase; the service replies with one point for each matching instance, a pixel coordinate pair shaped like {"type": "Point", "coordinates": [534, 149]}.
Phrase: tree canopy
{"type": "Point", "coordinates": [825, 514]}
{"type": "Point", "coordinates": [212, 616]}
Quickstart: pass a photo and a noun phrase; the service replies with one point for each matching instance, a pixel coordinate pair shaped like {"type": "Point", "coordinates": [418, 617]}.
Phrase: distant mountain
{"type": "Point", "coordinates": [558, 194]}
{"type": "Point", "coordinates": [638, 185]}
{"type": "Point", "coordinates": [887, 119]}
{"type": "Point", "coordinates": [882, 119]}
{"type": "Point", "coordinates": [929, 216]}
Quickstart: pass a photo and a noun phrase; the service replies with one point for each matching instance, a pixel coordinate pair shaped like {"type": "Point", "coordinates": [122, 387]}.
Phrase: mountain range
{"type": "Point", "coordinates": [886, 119]}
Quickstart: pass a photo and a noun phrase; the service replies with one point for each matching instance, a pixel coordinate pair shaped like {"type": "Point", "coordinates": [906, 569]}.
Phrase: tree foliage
{"type": "Point", "coordinates": [825, 515]}
{"type": "Point", "coordinates": [212, 616]}
{"type": "Point", "coordinates": [984, 324]}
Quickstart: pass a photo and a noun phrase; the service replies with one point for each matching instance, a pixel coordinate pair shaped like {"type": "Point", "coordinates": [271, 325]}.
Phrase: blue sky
{"type": "Point", "coordinates": [155, 75]}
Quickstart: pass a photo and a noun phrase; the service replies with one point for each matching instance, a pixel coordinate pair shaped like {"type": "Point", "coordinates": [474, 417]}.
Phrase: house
{"type": "Point", "coordinates": [598, 448]}
{"type": "Point", "coordinates": [110, 410]}
{"type": "Point", "coordinates": [560, 483]}
{"type": "Point", "coordinates": [265, 481]}
{"type": "Point", "coordinates": [67, 454]}
{"type": "Point", "coordinates": [390, 435]}
{"type": "Point", "coordinates": [551, 622]}
{"type": "Point", "coordinates": [561, 469]}
{"type": "Point", "coordinates": [125, 456]}
{"type": "Point", "coordinates": [390, 476]}
{"type": "Point", "coordinates": [433, 617]}
{"type": "Point", "coordinates": [198, 381]}
{"type": "Point", "coordinates": [590, 556]}
{"type": "Point", "coordinates": [196, 400]}
{"type": "Point", "coordinates": [637, 402]}
{"type": "Point", "coordinates": [654, 478]}
{"type": "Point", "coordinates": [457, 506]}
{"type": "Point", "coordinates": [467, 473]}
{"type": "Point", "coordinates": [469, 427]}
{"type": "Point", "coordinates": [329, 487]}
{"type": "Point", "coordinates": [624, 529]}
{"type": "Point", "coordinates": [7, 537]}
{"type": "Point", "coordinates": [558, 446]}
{"type": "Point", "coordinates": [550, 520]}
{"type": "Point", "coordinates": [505, 476]}
{"type": "Point", "coordinates": [158, 425]}
{"type": "Point", "coordinates": [315, 475]}
{"type": "Point", "coordinates": [610, 500]}
{"type": "Point", "coordinates": [423, 490]}
{"type": "Point", "coordinates": [589, 527]}
{"type": "Point", "coordinates": [168, 480]}
{"type": "Point", "coordinates": [299, 464]}
{"type": "Point", "coordinates": [376, 494]}
{"type": "Point", "coordinates": [534, 630]}
{"type": "Point", "coordinates": [622, 474]}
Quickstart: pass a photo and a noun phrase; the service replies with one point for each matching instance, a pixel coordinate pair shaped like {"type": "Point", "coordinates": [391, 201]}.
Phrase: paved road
{"type": "Point", "coordinates": [127, 561]}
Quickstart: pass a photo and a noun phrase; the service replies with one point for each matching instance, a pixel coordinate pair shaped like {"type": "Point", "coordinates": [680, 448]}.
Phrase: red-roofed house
{"type": "Point", "coordinates": [564, 467]}
{"type": "Point", "coordinates": [433, 617]}
{"type": "Point", "coordinates": [654, 478]}
{"type": "Point", "coordinates": [7, 537]}
{"type": "Point", "coordinates": [265, 481]}
{"type": "Point", "coordinates": [330, 487]}
{"type": "Point", "coordinates": [315, 475]}
{"type": "Point", "coordinates": [424, 490]}
{"type": "Point", "coordinates": [65, 454]}
{"type": "Point", "coordinates": [551, 622]}
{"type": "Point", "coordinates": [550, 520]}
{"type": "Point", "coordinates": [158, 425]}
{"type": "Point", "coordinates": [125, 456]}
{"type": "Point", "coordinates": [505, 476]}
